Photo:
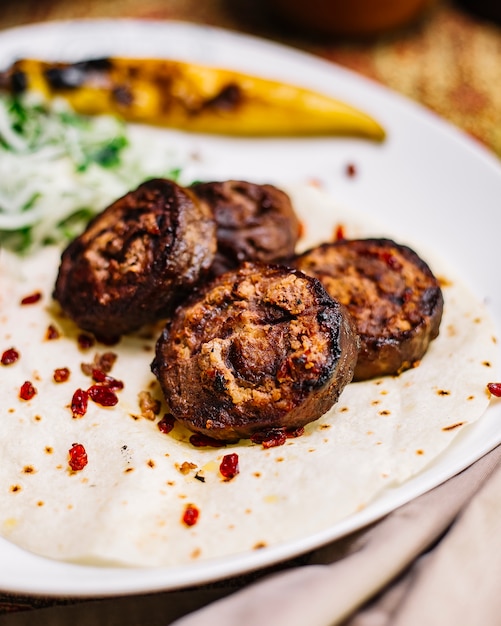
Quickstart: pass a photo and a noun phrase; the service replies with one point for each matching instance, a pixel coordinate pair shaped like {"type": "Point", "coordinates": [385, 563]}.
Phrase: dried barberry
{"type": "Point", "coordinates": [77, 457]}
{"type": "Point", "coordinates": [166, 424]}
{"type": "Point", "coordinates": [191, 515]}
{"type": "Point", "coordinates": [229, 466]}
{"type": "Point", "coordinates": [495, 389]}
{"type": "Point", "coordinates": [61, 374]}
{"type": "Point", "coordinates": [27, 391]}
{"type": "Point", "coordinates": [79, 403]}
{"type": "Point", "coordinates": [10, 356]}
{"type": "Point", "coordinates": [32, 298]}
{"type": "Point", "coordinates": [102, 395]}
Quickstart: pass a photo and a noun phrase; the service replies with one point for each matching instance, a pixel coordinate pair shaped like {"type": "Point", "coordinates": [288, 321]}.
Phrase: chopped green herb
{"type": "Point", "coordinates": [59, 168]}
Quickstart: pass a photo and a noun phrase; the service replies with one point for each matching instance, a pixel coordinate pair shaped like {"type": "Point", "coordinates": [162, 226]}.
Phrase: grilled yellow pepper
{"type": "Point", "coordinates": [189, 97]}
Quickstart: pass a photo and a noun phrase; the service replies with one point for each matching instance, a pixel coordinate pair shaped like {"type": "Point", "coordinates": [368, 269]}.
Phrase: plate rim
{"type": "Point", "coordinates": [154, 579]}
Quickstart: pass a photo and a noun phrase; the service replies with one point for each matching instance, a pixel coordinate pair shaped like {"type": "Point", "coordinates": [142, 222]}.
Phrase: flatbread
{"type": "Point", "coordinates": [126, 506]}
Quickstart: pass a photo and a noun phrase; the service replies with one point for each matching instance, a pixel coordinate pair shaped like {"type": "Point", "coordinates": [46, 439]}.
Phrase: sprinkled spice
{"type": "Point", "coordinates": [32, 298]}
{"type": "Point", "coordinates": [292, 433]}
{"type": "Point", "coordinates": [351, 170]}
{"type": "Point", "coordinates": [77, 457]}
{"type": "Point", "coordinates": [339, 233]}
{"type": "Point", "coordinates": [148, 405]}
{"type": "Point", "coordinates": [27, 391]}
{"type": "Point", "coordinates": [229, 466]}
{"type": "Point", "coordinates": [79, 403]}
{"type": "Point", "coordinates": [276, 436]}
{"type": "Point", "coordinates": [191, 514]}
{"type": "Point", "coordinates": [103, 362]}
{"type": "Point", "coordinates": [108, 381]}
{"type": "Point", "coordinates": [186, 467]}
{"type": "Point", "coordinates": [270, 438]}
{"type": "Point", "coordinates": [10, 356]}
{"type": "Point", "coordinates": [495, 389]}
{"type": "Point", "coordinates": [52, 333]}
{"type": "Point", "coordinates": [61, 374]}
{"type": "Point", "coordinates": [102, 395]}
{"type": "Point", "coordinates": [166, 424]}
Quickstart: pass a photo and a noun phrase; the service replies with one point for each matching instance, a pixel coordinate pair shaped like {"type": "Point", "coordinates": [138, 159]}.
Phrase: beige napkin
{"type": "Point", "coordinates": [458, 582]}
{"type": "Point", "coordinates": [434, 561]}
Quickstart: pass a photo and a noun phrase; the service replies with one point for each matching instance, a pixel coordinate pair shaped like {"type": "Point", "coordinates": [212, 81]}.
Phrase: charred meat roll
{"type": "Point", "coordinates": [391, 293]}
{"type": "Point", "coordinates": [254, 222]}
{"type": "Point", "coordinates": [136, 259]}
{"type": "Point", "coordinates": [262, 347]}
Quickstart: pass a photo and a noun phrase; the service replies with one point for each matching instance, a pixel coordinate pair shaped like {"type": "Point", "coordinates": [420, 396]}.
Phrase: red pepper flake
{"type": "Point", "coordinates": [191, 514]}
{"type": "Point", "coordinates": [85, 341]}
{"type": "Point", "coordinates": [105, 361]}
{"type": "Point", "coordinates": [351, 170]}
{"type": "Point", "coordinates": [102, 395]}
{"type": "Point", "coordinates": [61, 374]}
{"type": "Point", "coordinates": [27, 391]}
{"type": "Point", "coordinates": [340, 233]}
{"type": "Point", "coordinates": [203, 441]}
{"type": "Point", "coordinates": [77, 457]}
{"type": "Point", "coordinates": [495, 389]}
{"type": "Point", "coordinates": [79, 403]}
{"type": "Point", "coordinates": [229, 466]}
{"type": "Point", "coordinates": [292, 433]}
{"type": "Point", "coordinates": [276, 436]}
{"type": "Point", "coordinates": [98, 375]}
{"type": "Point", "coordinates": [10, 356]}
{"type": "Point", "coordinates": [166, 424]}
{"type": "Point", "coordinates": [32, 298]}
{"type": "Point", "coordinates": [52, 333]}
{"type": "Point", "coordinates": [270, 438]}
{"type": "Point", "coordinates": [108, 381]}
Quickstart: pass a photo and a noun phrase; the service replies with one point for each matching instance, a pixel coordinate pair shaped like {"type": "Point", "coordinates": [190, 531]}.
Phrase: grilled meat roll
{"type": "Point", "coordinates": [391, 294]}
{"type": "Point", "coordinates": [261, 347]}
{"type": "Point", "coordinates": [136, 259]}
{"type": "Point", "coordinates": [254, 222]}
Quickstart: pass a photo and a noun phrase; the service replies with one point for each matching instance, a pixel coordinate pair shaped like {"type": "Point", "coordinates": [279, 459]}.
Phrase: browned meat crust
{"type": "Point", "coordinates": [392, 295]}
{"type": "Point", "coordinates": [136, 259]}
{"type": "Point", "coordinates": [254, 222]}
{"type": "Point", "coordinates": [262, 347]}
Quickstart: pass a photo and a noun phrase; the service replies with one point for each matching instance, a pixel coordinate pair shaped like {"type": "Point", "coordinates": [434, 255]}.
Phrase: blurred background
{"type": "Point", "coordinates": [444, 54]}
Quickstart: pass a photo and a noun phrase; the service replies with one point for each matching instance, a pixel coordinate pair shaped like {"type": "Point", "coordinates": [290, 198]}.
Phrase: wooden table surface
{"type": "Point", "coordinates": [450, 61]}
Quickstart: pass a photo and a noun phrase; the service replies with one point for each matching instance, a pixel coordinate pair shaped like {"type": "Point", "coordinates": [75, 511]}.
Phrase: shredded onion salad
{"type": "Point", "coordinates": [58, 169]}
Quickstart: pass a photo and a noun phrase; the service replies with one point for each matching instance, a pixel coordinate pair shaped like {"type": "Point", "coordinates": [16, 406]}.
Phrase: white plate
{"type": "Point", "coordinates": [427, 180]}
